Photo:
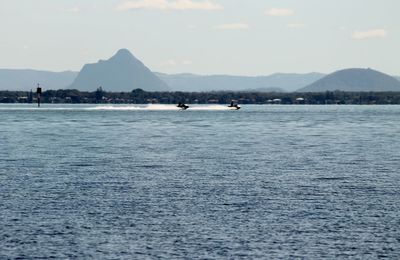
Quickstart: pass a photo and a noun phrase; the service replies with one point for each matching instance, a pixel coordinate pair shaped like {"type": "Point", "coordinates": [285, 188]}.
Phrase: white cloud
{"type": "Point", "coordinates": [168, 63]}
{"type": "Point", "coordinates": [187, 62]}
{"type": "Point", "coordinates": [180, 5]}
{"type": "Point", "coordinates": [295, 25]}
{"type": "Point", "coordinates": [280, 12]}
{"type": "Point", "coordinates": [232, 26]}
{"type": "Point", "coordinates": [74, 10]}
{"type": "Point", "coordinates": [85, 51]}
{"type": "Point", "coordinates": [377, 33]}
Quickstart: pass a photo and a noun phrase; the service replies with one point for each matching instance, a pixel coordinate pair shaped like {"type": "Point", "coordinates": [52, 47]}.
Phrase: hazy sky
{"type": "Point", "coordinates": [244, 37]}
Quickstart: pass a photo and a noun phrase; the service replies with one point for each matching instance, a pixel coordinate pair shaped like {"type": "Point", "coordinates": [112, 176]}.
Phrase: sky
{"type": "Point", "coordinates": [237, 37]}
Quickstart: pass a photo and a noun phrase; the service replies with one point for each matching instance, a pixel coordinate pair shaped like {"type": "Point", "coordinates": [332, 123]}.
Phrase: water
{"type": "Point", "coordinates": [129, 182]}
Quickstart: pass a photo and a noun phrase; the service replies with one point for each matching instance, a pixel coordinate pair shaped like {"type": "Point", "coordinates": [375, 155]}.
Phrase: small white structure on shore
{"type": "Point", "coordinates": [300, 100]}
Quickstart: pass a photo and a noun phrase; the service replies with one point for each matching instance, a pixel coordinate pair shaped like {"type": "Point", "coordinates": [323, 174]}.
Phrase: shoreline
{"type": "Point", "coordinates": [139, 96]}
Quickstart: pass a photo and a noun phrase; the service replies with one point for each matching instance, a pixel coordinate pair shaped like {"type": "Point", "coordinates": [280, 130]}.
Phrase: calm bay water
{"type": "Point", "coordinates": [263, 182]}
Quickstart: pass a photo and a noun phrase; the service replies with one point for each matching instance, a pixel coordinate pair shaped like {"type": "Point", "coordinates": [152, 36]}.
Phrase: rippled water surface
{"type": "Point", "coordinates": [149, 182]}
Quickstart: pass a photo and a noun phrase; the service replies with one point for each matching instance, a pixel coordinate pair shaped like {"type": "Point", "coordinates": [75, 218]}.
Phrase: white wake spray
{"type": "Point", "coordinates": [158, 107]}
{"type": "Point", "coordinates": [149, 107]}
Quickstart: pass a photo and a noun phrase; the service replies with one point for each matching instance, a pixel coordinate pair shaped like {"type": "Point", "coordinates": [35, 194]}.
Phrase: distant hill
{"type": "Point", "coordinates": [122, 72]}
{"type": "Point", "coordinates": [19, 79]}
{"type": "Point", "coordinates": [277, 82]}
{"type": "Point", "coordinates": [91, 80]}
{"type": "Point", "coordinates": [354, 80]}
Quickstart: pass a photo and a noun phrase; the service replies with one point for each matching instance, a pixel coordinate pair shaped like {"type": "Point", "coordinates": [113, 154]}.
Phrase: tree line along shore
{"type": "Point", "coordinates": [139, 96]}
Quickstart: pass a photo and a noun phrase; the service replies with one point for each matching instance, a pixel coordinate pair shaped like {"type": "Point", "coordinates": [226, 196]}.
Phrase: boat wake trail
{"type": "Point", "coordinates": [135, 107]}
{"type": "Point", "coordinates": [209, 107]}
{"type": "Point", "coordinates": [149, 107]}
{"type": "Point", "coordinates": [157, 107]}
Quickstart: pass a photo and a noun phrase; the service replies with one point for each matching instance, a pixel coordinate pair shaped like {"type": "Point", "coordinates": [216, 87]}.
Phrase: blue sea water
{"type": "Point", "coordinates": [133, 182]}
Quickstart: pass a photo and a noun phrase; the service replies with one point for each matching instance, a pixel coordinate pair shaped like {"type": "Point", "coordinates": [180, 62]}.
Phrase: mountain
{"type": "Point", "coordinates": [91, 77]}
{"type": "Point", "coordinates": [197, 83]}
{"type": "Point", "coordinates": [18, 79]}
{"type": "Point", "coordinates": [122, 72]}
{"type": "Point", "coordinates": [354, 80]}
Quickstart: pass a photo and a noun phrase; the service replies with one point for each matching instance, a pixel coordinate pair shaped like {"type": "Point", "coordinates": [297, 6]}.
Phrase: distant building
{"type": "Point", "coordinates": [152, 100]}
{"type": "Point", "coordinates": [277, 101]}
{"type": "Point", "coordinates": [300, 100]}
{"type": "Point", "coordinates": [213, 101]}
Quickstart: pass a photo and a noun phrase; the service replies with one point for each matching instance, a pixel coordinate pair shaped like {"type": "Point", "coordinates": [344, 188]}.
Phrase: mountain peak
{"type": "Point", "coordinates": [122, 72]}
{"type": "Point", "coordinates": [354, 79]}
{"type": "Point", "coordinates": [124, 55]}
{"type": "Point", "coordinates": [123, 52]}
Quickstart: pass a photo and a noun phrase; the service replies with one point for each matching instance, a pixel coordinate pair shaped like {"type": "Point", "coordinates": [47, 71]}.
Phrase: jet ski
{"type": "Point", "coordinates": [233, 106]}
{"type": "Point", "coordinates": [182, 106]}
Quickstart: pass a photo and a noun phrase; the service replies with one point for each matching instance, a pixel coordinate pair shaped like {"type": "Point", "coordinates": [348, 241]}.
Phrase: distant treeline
{"type": "Point", "coordinates": [139, 96]}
